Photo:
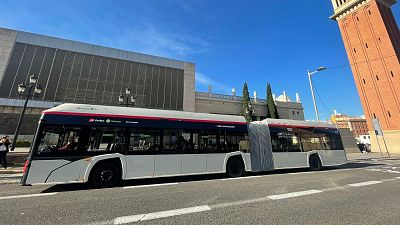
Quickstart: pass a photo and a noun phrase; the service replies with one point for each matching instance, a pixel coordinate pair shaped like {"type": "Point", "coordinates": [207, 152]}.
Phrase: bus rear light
{"type": "Point", "coordinates": [25, 166]}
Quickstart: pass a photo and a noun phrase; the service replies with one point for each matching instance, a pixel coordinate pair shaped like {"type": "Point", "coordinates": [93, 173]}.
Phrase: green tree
{"type": "Point", "coordinates": [272, 110]}
{"type": "Point", "coordinates": [247, 111]}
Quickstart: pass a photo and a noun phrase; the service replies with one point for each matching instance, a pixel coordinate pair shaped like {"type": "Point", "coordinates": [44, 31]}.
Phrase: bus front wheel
{"type": "Point", "coordinates": [235, 167]}
{"type": "Point", "coordinates": [315, 163]}
{"type": "Point", "coordinates": [105, 174]}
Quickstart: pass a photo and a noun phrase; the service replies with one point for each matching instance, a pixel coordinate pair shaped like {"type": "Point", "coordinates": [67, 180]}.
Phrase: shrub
{"type": "Point", "coordinates": [23, 143]}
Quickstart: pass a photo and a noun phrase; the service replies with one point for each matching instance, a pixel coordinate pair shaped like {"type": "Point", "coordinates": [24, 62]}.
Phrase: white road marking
{"type": "Point", "coordinates": [27, 196]}
{"type": "Point", "coordinates": [150, 185]}
{"type": "Point", "coordinates": [10, 181]}
{"type": "Point", "coordinates": [384, 170]}
{"type": "Point", "coordinates": [240, 178]}
{"type": "Point", "coordinates": [392, 171]}
{"type": "Point", "coordinates": [159, 215]}
{"type": "Point", "coordinates": [294, 194]}
{"type": "Point", "coordinates": [365, 183]}
{"type": "Point", "coordinates": [11, 175]}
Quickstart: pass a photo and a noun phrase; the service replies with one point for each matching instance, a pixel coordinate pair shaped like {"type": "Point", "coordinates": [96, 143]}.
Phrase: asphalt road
{"type": "Point", "coordinates": [362, 192]}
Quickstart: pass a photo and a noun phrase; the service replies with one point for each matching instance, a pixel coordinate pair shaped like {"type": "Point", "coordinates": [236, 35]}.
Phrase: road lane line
{"type": "Point", "coordinates": [159, 215]}
{"type": "Point", "coordinates": [365, 183]}
{"type": "Point", "coordinates": [27, 196]}
{"type": "Point", "coordinates": [150, 185]}
{"type": "Point", "coordinates": [293, 194]}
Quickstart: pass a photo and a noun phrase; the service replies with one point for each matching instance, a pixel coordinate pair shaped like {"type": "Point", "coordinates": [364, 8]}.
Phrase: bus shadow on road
{"type": "Point", "coordinates": [207, 177]}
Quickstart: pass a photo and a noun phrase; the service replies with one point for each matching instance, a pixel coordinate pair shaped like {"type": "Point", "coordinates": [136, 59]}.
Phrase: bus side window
{"type": "Point", "coordinates": [143, 142]}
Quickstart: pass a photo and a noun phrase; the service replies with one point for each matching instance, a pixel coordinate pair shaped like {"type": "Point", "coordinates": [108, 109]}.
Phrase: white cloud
{"type": "Point", "coordinates": [148, 39]}
{"type": "Point", "coordinates": [202, 82]}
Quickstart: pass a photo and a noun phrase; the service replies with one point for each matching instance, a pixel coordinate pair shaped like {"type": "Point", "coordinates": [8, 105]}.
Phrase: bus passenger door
{"type": "Point", "coordinates": [193, 162]}
{"type": "Point", "coordinates": [168, 160]}
{"type": "Point", "coordinates": [140, 156]}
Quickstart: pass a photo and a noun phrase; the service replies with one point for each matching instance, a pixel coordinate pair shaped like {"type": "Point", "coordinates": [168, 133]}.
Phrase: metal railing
{"type": "Point", "coordinates": [228, 97]}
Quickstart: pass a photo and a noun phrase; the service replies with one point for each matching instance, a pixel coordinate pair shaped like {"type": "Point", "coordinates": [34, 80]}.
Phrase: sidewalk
{"type": "Point", "coordinates": [372, 155]}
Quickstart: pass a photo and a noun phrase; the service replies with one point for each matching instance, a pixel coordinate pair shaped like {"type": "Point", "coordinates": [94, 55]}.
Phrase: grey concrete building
{"type": "Point", "coordinates": [77, 72]}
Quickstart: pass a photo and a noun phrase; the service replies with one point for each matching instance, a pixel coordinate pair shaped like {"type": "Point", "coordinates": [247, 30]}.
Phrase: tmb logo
{"type": "Point", "coordinates": [91, 120]}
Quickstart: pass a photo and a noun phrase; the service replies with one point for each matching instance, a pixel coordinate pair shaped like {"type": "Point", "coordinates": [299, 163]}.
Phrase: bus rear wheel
{"type": "Point", "coordinates": [315, 163]}
{"type": "Point", "coordinates": [105, 175]}
{"type": "Point", "coordinates": [235, 167]}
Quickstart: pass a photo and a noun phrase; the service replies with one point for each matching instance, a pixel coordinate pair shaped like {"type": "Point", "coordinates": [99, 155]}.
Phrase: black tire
{"type": "Point", "coordinates": [106, 174]}
{"type": "Point", "coordinates": [315, 163]}
{"type": "Point", "coordinates": [235, 167]}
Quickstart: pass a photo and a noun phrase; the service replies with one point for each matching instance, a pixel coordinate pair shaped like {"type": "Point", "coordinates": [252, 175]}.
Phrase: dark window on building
{"type": "Point", "coordinates": [391, 73]}
{"type": "Point", "coordinates": [355, 50]}
{"type": "Point", "coordinates": [374, 116]}
{"type": "Point", "coordinates": [369, 11]}
{"type": "Point", "coordinates": [389, 114]}
{"type": "Point", "coordinates": [377, 78]}
{"type": "Point", "coordinates": [364, 81]}
{"type": "Point", "coordinates": [366, 45]}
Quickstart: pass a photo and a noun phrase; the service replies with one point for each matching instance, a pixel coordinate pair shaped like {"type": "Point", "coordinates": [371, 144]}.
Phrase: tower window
{"type": "Point", "coordinates": [364, 81]}
{"type": "Point", "coordinates": [374, 115]}
{"type": "Point", "coordinates": [366, 45]}
{"type": "Point", "coordinates": [389, 114]}
{"type": "Point", "coordinates": [391, 73]}
{"type": "Point", "coordinates": [369, 11]}
{"type": "Point", "coordinates": [358, 18]}
{"type": "Point", "coordinates": [355, 50]}
{"type": "Point", "coordinates": [379, 39]}
{"type": "Point", "coordinates": [377, 78]}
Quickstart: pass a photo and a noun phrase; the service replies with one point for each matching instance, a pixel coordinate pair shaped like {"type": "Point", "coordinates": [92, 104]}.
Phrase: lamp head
{"type": "Point", "coordinates": [38, 89]}
{"type": "Point", "coordinates": [21, 88]}
{"type": "Point", "coordinates": [33, 79]}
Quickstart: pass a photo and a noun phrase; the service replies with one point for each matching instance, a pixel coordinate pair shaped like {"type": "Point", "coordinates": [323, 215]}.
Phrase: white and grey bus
{"type": "Point", "coordinates": [104, 145]}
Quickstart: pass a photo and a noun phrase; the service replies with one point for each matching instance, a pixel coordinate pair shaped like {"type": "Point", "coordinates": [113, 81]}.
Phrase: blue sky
{"type": "Point", "coordinates": [229, 41]}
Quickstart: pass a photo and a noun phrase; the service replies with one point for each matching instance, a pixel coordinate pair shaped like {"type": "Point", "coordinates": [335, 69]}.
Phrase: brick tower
{"type": "Point", "coordinates": [372, 41]}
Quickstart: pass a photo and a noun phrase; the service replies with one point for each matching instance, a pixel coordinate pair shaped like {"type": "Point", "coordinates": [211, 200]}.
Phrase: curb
{"type": "Point", "coordinates": [10, 171]}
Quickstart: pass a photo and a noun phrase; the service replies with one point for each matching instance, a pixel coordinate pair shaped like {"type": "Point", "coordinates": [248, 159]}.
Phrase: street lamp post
{"type": "Point", "coordinates": [309, 73]}
{"type": "Point", "coordinates": [128, 99]}
{"type": "Point", "coordinates": [21, 92]}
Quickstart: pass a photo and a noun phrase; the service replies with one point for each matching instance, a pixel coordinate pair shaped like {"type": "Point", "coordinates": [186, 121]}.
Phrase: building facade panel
{"type": "Point", "coordinates": [81, 78]}
{"type": "Point", "coordinates": [7, 39]}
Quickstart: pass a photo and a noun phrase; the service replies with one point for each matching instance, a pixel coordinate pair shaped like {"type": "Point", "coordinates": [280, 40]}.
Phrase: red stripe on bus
{"type": "Point", "coordinates": [139, 117]}
{"type": "Point", "coordinates": [298, 126]}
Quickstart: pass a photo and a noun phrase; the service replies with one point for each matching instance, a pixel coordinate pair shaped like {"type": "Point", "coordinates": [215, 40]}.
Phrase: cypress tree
{"type": "Point", "coordinates": [272, 110]}
{"type": "Point", "coordinates": [246, 111]}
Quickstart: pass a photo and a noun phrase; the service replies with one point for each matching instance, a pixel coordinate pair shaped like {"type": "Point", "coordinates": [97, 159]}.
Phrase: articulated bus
{"type": "Point", "coordinates": [104, 145]}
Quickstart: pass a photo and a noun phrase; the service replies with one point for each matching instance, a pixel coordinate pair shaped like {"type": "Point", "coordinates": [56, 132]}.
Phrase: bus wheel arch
{"type": "Point", "coordinates": [106, 173]}
{"type": "Point", "coordinates": [235, 166]}
{"type": "Point", "coordinates": [314, 162]}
